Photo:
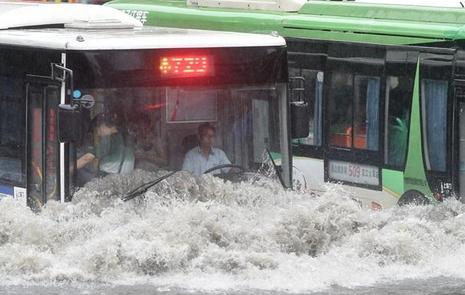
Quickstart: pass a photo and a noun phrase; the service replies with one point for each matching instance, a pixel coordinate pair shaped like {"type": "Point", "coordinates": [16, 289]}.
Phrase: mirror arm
{"type": "Point", "coordinates": [62, 78]}
{"type": "Point", "coordinates": [300, 88]}
{"type": "Point", "coordinates": [300, 117]}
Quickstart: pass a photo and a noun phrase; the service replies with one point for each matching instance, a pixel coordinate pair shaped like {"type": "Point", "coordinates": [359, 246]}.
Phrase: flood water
{"type": "Point", "coordinates": [198, 236]}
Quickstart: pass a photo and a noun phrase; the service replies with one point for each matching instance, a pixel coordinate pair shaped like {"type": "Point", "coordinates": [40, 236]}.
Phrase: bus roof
{"type": "Point", "coordinates": [90, 27]}
{"type": "Point", "coordinates": [143, 38]}
{"type": "Point", "coordinates": [23, 15]}
{"type": "Point", "coordinates": [324, 20]}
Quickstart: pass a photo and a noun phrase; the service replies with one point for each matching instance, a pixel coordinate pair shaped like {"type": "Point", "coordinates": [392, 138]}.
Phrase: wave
{"type": "Point", "coordinates": [207, 234]}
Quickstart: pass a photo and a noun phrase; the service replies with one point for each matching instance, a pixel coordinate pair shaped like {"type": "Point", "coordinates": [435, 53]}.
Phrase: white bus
{"type": "Point", "coordinates": [65, 68]}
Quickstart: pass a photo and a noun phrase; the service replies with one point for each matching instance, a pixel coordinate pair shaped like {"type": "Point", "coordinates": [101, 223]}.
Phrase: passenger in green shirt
{"type": "Point", "coordinates": [107, 153]}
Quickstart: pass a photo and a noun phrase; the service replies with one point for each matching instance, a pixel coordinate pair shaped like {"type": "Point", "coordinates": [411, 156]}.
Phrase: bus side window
{"type": "Point", "coordinates": [434, 108]}
{"type": "Point", "coordinates": [398, 103]}
{"type": "Point", "coordinates": [313, 95]}
{"type": "Point", "coordinates": [366, 113]}
{"type": "Point", "coordinates": [354, 111]}
{"type": "Point", "coordinates": [340, 110]}
{"type": "Point", "coordinates": [12, 126]}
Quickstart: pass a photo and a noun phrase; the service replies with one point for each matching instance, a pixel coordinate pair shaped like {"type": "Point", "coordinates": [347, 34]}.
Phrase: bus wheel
{"type": "Point", "coordinates": [413, 197]}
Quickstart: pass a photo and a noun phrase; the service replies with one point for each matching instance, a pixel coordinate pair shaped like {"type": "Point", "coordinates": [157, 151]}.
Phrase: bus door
{"type": "Point", "coordinates": [459, 87]}
{"type": "Point", "coordinates": [353, 100]}
{"type": "Point", "coordinates": [431, 174]}
{"type": "Point", "coordinates": [42, 148]}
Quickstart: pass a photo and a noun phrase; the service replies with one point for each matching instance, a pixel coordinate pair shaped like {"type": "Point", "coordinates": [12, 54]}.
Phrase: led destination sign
{"type": "Point", "coordinates": [186, 66]}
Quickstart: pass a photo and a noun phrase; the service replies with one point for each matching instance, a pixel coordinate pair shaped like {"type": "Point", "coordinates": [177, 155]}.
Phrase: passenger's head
{"type": "Point", "coordinates": [105, 124]}
{"type": "Point", "coordinates": [143, 131]}
{"type": "Point", "coordinates": [206, 135]}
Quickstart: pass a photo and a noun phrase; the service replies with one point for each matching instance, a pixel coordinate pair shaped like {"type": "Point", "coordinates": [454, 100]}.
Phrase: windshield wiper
{"type": "Point", "coordinates": [144, 187]}
{"type": "Point", "coordinates": [276, 168]}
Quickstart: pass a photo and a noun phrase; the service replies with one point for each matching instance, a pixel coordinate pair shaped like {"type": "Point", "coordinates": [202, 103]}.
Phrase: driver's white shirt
{"type": "Point", "coordinates": [196, 163]}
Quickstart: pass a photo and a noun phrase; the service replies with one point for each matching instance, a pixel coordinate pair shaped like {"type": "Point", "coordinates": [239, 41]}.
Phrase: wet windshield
{"type": "Point", "coordinates": [162, 129]}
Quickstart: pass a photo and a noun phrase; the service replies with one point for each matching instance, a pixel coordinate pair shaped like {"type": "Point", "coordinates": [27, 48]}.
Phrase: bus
{"type": "Point", "coordinates": [385, 85]}
{"type": "Point", "coordinates": [448, 3]}
{"type": "Point", "coordinates": [79, 78]}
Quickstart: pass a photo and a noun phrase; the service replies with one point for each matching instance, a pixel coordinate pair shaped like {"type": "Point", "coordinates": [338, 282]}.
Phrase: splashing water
{"type": "Point", "coordinates": [207, 234]}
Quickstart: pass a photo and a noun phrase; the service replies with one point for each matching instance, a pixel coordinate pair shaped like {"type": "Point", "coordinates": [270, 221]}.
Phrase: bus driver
{"type": "Point", "coordinates": [205, 156]}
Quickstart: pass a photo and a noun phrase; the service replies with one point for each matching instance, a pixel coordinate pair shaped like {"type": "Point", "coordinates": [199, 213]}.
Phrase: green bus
{"type": "Point", "coordinates": [385, 87]}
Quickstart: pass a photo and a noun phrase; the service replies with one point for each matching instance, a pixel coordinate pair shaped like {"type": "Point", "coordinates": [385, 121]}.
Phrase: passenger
{"type": "Point", "coordinates": [149, 152]}
{"type": "Point", "coordinates": [205, 156]}
{"type": "Point", "coordinates": [109, 154]}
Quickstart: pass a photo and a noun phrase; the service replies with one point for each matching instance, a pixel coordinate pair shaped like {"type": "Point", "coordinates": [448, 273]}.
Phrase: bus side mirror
{"type": "Point", "coordinates": [69, 123]}
{"type": "Point", "coordinates": [300, 119]}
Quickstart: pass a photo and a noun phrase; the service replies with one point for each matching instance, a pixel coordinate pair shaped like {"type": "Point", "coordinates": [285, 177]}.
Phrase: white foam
{"type": "Point", "coordinates": [203, 234]}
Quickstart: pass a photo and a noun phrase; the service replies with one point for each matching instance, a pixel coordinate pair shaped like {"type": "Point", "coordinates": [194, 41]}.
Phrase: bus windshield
{"type": "Point", "coordinates": [177, 128]}
{"type": "Point", "coordinates": [145, 115]}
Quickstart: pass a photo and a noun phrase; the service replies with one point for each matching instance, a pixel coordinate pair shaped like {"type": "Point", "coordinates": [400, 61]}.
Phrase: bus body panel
{"type": "Point", "coordinates": [310, 172]}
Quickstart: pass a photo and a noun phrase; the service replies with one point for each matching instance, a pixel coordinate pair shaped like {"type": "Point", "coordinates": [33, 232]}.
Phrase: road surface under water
{"type": "Point", "coordinates": [199, 236]}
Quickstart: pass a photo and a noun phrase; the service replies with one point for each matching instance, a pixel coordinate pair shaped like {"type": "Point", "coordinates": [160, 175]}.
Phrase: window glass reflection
{"type": "Point", "coordinates": [161, 129]}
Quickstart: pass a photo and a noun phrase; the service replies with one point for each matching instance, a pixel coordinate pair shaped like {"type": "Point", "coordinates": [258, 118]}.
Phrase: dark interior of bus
{"type": "Point", "coordinates": [160, 125]}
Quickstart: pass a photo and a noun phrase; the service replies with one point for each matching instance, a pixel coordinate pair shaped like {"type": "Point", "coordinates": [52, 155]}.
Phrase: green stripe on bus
{"type": "Point", "coordinates": [415, 176]}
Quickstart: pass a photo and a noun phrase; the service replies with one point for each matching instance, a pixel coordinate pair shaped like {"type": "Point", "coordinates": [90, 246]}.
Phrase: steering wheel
{"type": "Point", "coordinates": [224, 166]}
